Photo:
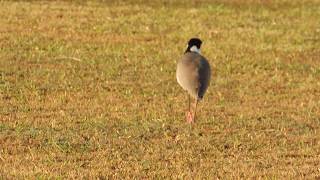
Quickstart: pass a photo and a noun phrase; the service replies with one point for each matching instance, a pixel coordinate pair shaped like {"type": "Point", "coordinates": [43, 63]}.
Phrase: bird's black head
{"type": "Point", "coordinates": [194, 45]}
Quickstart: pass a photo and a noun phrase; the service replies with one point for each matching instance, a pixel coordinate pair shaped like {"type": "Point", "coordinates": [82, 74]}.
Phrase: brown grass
{"type": "Point", "coordinates": [88, 90]}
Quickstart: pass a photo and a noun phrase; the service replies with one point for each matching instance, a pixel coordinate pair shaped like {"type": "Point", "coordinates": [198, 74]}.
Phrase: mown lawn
{"type": "Point", "coordinates": [88, 90]}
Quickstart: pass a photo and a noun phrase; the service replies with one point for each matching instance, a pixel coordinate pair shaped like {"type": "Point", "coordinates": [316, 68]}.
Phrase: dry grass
{"type": "Point", "coordinates": [114, 109]}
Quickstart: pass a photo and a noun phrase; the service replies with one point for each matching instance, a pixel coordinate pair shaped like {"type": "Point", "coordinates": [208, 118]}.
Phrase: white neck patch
{"type": "Point", "coordinates": [195, 49]}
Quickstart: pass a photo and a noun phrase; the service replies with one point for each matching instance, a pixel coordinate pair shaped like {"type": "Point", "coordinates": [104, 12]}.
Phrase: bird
{"type": "Point", "coordinates": [193, 75]}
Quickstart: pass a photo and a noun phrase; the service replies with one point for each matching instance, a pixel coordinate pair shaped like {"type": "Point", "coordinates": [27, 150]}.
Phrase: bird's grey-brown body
{"type": "Point", "coordinates": [193, 74]}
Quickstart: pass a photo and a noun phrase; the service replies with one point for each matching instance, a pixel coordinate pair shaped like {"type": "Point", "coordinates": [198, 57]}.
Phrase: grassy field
{"type": "Point", "coordinates": [88, 90]}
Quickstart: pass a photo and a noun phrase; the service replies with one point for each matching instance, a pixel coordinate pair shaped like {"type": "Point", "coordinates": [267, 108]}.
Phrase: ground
{"type": "Point", "coordinates": [88, 90]}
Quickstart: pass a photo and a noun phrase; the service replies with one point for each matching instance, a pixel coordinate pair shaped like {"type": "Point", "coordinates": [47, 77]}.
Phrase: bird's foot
{"type": "Point", "coordinates": [189, 117]}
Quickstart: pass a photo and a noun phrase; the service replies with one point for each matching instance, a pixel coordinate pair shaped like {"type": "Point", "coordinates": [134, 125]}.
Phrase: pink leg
{"type": "Point", "coordinates": [189, 117]}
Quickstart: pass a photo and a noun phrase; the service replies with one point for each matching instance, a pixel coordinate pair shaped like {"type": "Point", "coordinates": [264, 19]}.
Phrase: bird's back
{"type": "Point", "coordinates": [193, 74]}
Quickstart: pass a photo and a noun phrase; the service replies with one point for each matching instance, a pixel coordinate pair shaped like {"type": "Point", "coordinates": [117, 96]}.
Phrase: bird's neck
{"type": "Point", "coordinates": [193, 49]}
